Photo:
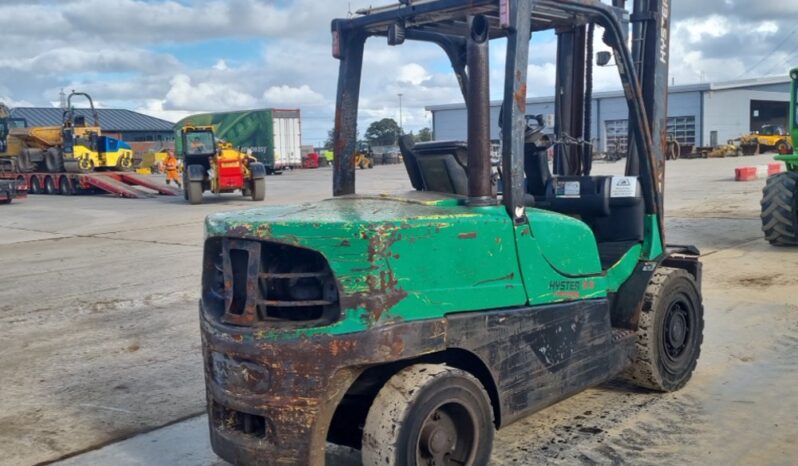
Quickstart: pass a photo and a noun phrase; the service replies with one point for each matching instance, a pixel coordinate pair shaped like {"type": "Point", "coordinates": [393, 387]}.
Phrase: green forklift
{"type": "Point", "coordinates": [780, 195]}
{"type": "Point", "coordinates": [413, 326]}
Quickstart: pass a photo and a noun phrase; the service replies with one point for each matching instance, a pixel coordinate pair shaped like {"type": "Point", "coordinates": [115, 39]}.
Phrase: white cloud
{"type": "Point", "coordinates": [185, 95]}
{"type": "Point", "coordinates": [282, 96]}
{"type": "Point", "coordinates": [413, 73]}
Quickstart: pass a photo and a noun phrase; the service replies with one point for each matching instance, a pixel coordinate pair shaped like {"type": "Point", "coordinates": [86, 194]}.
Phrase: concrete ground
{"type": "Point", "coordinates": [99, 335]}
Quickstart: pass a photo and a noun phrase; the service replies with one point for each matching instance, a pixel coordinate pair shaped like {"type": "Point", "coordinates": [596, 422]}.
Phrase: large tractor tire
{"type": "Point", "coordinates": [194, 192]}
{"type": "Point", "coordinates": [258, 189]}
{"type": "Point", "coordinates": [54, 160]}
{"type": "Point", "coordinates": [780, 209]}
{"type": "Point", "coordinates": [670, 332]}
{"type": "Point", "coordinates": [783, 147]}
{"type": "Point", "coordinates": [429, 414]}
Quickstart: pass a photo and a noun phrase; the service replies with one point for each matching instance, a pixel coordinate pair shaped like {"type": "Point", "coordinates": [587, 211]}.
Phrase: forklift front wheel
{"type": "Point", "coordinates": [258, 189]}
{"type": "Point", "coordinates": [429, 414]}
{"type": "Point", "coordinates": [670, 332]}
{"type": "Point", "coordinates": [194, 192]}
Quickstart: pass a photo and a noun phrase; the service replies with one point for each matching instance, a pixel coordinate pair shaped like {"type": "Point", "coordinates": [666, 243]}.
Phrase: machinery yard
{"type": "Point", "coordinates": [101, 339]}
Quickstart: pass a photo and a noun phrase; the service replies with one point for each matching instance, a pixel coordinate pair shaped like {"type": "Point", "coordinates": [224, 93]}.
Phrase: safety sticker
{"type": "Point", "coordinates": [623, 186]}
{"type": "Point", "coordinates": [568, 189]}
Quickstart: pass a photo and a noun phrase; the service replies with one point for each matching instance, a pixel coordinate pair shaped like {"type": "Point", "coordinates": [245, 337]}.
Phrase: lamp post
{"type": "Point", "coordinates": [400, 112]}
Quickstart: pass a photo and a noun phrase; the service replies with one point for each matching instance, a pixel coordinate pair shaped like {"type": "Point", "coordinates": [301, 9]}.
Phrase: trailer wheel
{"type": "Point", "coordinates": [35, 185]}
{"type": "Point", "coordinates": [670, 332]}
{"type": "Point", "coordinates": [194, 192]}
{"type": "Point", "coordinates": [780, 209]}
{"type": "Point", "coordinates": [49, 185]}
{"type": "Point", "coordinates": [66, 186]}
{"type": "Point", "coordinates": [258, 189]}
{"type": "Point", "coordinates": [429, 414]}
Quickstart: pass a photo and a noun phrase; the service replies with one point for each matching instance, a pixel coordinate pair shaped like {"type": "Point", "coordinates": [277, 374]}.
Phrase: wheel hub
{"type": "Point", "coordinates": [677, 330]}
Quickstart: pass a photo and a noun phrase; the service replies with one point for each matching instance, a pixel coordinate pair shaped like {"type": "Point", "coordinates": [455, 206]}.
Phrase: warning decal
{"type": "Point", "coordinates": [623, 186]}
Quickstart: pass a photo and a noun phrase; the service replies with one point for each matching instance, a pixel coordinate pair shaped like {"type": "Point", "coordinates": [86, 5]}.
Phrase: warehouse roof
{"type": "Point", "coordinates": [111, 119]}
{"type": "Point", "coordinates": [699, 87]}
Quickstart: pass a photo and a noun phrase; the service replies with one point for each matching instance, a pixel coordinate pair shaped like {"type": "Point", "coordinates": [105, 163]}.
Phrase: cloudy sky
{"type": "Point", "coordinates": [172, 58]}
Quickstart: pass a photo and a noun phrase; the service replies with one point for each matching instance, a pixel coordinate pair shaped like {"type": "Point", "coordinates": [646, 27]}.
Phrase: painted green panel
{"type": "Point", "coordinates": [543, 283]}
{"type": "Point", "coordinates": [567, 244]}
{"type": "Point", "coordinates": [395, 259]}
{"type": "Point", "coordinates": [652, 242]}
{"type": "Point", "coordinates": [623, 269]}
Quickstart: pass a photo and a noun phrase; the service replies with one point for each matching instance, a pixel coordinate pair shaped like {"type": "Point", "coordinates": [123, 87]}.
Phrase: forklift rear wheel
{"type": "Point", "coordinates": [194, 192]}
{"type": "Point", "coordinates": [258, 189]}
{"type": "Point", "coordinates": [670, 332]}
{"type": "Point", "coordinates": [429, 414]}
{"type": "Point", "coordinates": [780, 209]}
{"type": "Point", "coordinates": [49, 185]}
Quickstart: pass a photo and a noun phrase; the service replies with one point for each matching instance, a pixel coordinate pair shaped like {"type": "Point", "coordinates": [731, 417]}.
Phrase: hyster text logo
{"type": "Point", "coordinates": [564, 286]}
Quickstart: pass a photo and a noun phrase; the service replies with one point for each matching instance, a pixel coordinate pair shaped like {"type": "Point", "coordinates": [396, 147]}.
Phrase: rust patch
{"type": "Point", "coordinates": [520, 98]}
{"type": "Point", "coordinates": [345, 244]}
{"type": "Point", "coordinates": [469, 235]}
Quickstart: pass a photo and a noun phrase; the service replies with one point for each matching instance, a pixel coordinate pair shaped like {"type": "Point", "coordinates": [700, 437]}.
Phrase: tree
{"type": "Point", "coordinates": [424, 135]}
{"type": "Point", "coordinates": [329, 144]}
{"type": "Point", "coordinates": [383, 133]}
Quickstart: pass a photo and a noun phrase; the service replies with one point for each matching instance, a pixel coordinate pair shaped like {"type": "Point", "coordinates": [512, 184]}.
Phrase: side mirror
{"type": "Point", "coordinates": [396, 34]}
{"type": "Point", "coordinates": [603, 58]}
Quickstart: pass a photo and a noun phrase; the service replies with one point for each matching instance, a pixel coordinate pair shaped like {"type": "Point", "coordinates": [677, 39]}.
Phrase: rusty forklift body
{"type": "Point", "coordinates": [466, 304]}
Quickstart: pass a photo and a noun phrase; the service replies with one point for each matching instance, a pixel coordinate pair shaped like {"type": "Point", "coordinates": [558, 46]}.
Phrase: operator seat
{"type": "Point", "coordinates": [438, 166]}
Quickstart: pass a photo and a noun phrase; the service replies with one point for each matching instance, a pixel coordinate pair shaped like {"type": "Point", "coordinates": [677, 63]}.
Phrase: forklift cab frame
{"type": "Point", "coordinates": [449, 23]}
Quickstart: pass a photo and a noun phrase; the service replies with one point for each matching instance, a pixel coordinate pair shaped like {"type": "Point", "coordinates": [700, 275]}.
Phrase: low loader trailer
{"type": "Point", "coordinates": [119, 184]}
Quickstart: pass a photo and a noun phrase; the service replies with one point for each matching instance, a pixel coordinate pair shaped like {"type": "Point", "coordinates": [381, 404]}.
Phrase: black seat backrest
{"type": "Point", "coordinates": [586, 196]}
{"type": "Point", "coordinates": [440, 165]}
{"type": "Point", "coordinates": [627, 212]}
{"type": "Point", "coordinates": [536, 168]}
{"type": "Point", "coordinates": [406, 145]}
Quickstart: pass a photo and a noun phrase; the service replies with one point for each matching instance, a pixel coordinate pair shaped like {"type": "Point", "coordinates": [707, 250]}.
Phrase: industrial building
{"type": "Point", "coordinates": [122, 124]}
{"type": "Point", "coordinates": [699, 114]}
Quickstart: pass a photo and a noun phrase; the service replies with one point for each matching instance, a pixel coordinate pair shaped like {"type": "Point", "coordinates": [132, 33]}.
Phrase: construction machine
{"type": "Point", "coordinates": [216, 166]}
{"type": "Point", "coordinates": [768, 138]}
{"type": "Point", "coordinates": [76, 146]}
{"type": "Point", "coordinates": [364, 156]}
{"type": "Point", "coordinates": [780, 195]}
{"type": "Point", "coordinates": [412, 326]}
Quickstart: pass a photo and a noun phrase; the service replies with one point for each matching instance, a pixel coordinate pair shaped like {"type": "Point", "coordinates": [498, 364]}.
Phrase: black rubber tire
{"type": "Point", "coordinates": [65, 186]}
{"type": "Point", "coordinates": [54, 160]}
{"type": "Point", "coordinates": [49, 185]}
{"type": "Point", "coordinates": [194, 192]}
{"type": "Point", "coordinates": [783, 148]}
{"type": "Point", "coordinates": [672, 310]}
{"type": "Point", "coordinates": [410, 400]}
{"type": "Point", "coordinates": [35, 186]}
{"type": "Point", "coordinates": [780, 209]}
{"type": "Point", "coordinates": [258, 189]}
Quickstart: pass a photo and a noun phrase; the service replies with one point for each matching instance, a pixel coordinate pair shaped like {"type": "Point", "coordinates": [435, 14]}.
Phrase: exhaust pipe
{"type": "Point", "coordinates": [480, 191]}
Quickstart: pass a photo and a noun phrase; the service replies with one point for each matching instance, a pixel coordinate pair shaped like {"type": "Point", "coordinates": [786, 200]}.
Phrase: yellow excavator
{"type": "Point", "coordinates": [76, 146]}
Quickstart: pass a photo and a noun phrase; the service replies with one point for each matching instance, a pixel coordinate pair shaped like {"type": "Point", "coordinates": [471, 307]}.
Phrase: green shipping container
{"type": "Point", "coordinates": [273, 136]}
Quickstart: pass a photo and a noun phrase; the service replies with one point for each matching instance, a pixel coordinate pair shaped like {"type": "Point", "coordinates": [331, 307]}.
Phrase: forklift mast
{"type": "Point", "coordinates": [642, 68]}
